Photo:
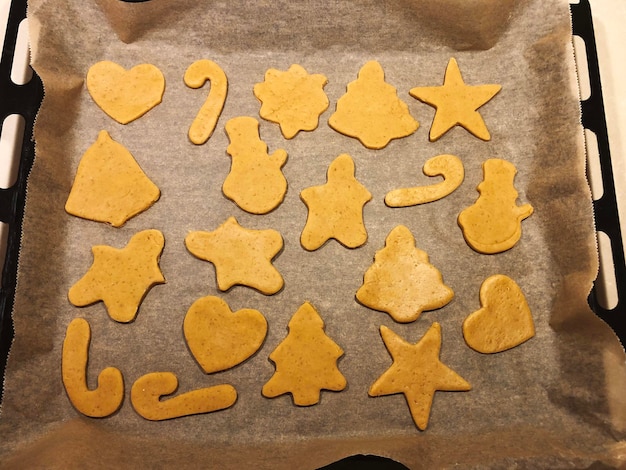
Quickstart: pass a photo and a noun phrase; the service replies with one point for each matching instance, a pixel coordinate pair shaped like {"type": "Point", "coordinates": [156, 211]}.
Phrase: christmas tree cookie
{"type": "Point", "coordinates": [371, 110]}
{"type": "Point", "coordinates": [402, 282]}
{"type": "Point", "coordinates": [306, 360]}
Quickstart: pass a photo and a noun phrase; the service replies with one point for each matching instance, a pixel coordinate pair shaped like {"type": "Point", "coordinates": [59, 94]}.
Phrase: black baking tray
{"type": "Point", "coordinates": [25, 100]}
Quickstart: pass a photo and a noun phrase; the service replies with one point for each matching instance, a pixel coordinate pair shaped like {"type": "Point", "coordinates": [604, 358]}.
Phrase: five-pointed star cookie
{"type": "Point", "coordinates": [456, 103]}
{"type": "Point", "coordinates": [241, 256]}
{"type": "Point", "coordinates": [336, 208]}
{"type": "Point", "coordinates": [416, 372]}
{"type": "Point", "coordinates": [121, 278]}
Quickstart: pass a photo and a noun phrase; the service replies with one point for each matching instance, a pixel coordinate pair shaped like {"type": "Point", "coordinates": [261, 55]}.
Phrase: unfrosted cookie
{"type": "Point", "coordinates": [241, 256]}
{"type": "Point", "coordinates": [196, 75]}
{"type": "Point", "coordinates": [107, 397]}
{"type": "Point", "coordinates": [456, 103]}
{"type": "Point", "coordinates": [306, 360]}
{"type": "Point", "coordinates": [121, 278]}
{"type": "Point", "coordinates": [493, 224]}
{"type": "Point", "coordinates": [149, 393]}
{"type": "Point", "coordinates": [219, 338]}
{"type": "Point", "coordinates": [125, 95]}
{"type": "Point", "coordinates": [336, 208]}
{"type": "Point", "coordinates": [448, 166]}
{"type": "Point", "coordinates": [402, 282]}
{"type": "Point", "coordinates": [109, 185]}
{"type": "Point", "coordinates": [294, 99]}
{"type": "Point", "coordinates": [417, 373]}
{"type": "Point", "coordinates": [371, 110]}
{"type": "Point", "coordinates": [255, 181]}
{"type": "Point", "coordinates": [504, 320]}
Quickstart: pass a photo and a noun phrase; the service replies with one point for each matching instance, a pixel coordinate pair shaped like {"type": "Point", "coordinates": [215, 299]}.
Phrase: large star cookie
{"type": "Point", "coordinates": [121, 278]}
{"type": "Point", "coordinates": [456, 103]}
{"type": "Point", "coordinates": [294, 99]}
{"type": "Point", "coordinates": [371, 110]}
{"type": "Point", "coordinates": [336, 208]}
{"type": "Point", "coordinates": [417, 373]}
{"type": "Point", "coordinates": [241, 256]}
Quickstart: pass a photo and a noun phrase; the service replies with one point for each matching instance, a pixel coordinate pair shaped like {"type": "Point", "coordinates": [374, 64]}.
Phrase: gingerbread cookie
{"type": "Point", "coordinates": [109, 185]}
{"type": "Point", "coordinates": [371, 110]}
{"type": "Point", "coordinates": [417, 373]}
{"type": "Point", "coordinates": [336, 208]}
{"type": "Point", "coordinates": [293, 99]}
{"type": "Point", "coordinates": [121, 278]}
{"type": "Point", "coordinates": [241, 256]}
{"type": "Point", "coordinates": [125, 95]}
{"type": "Point", "coordinates": [107, 397]}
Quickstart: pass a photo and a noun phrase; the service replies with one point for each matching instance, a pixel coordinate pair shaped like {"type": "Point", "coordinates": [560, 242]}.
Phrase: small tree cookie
{"type": "Point", "coordinates": [306, 360]}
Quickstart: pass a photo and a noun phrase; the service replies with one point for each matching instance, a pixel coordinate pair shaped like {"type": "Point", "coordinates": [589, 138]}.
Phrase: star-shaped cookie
{"type": "Point", "coordinates": [456, 103]}
{"type": "Point", "coordinates": [241, 256]}
{"type": "Point", "coordinates": [121, 278]}
{"type": "Point", "coordinates": [416, 372]}
{"type": "Point", "coordinates": [336, 208]}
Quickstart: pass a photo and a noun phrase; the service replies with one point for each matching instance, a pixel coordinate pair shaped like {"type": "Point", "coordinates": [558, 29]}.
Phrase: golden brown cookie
{"type": "Point", "coordinates": [255, 182]}
{"type": "Point", "coordinates": [417, 373]}
{"type": "Point", "coordinates": [448, 166]}
{"type": "Point", "coordinates": [108, 396]}
{"type": "Point", "coordinates": [493, 224]}
{"type": "Point", "coordinates": [109, 185]}
{"type": "Point", "coordinates": [402, 282]}
{"type": "Point", "coordinates": [456, 103]}
{"type": "Point", "coordinates": [219, 338]}
{"type": "Point", "coordinates": [306, 360]}
{"type": "Point", "coordinates": [241, 256]}
{"type": "Point", "coordinates": [371, 110]}
{"type": "Point", "coordinates": [121, 278]}
{"type": "Point", "coordinates": [504, 320]}
{"type": "Point", "coordinates": [336, 208]}
{"type": "Point", "coordinates": [125, 95]}
{"type": "Point", "coordinates": [294, 99]}
{"type": "Point", "coordinates": [196, 75]}
{"type": "Point", "coordinates": [148, 393]}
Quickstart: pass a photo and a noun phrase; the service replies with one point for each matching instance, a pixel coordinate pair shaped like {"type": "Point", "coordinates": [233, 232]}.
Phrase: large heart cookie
{"type": "Point", "coordinates": [503, 322]}
{"type": "Point", "coordinates": [125, 95]}
{"type": "Point", "coordinates": [220, 338]}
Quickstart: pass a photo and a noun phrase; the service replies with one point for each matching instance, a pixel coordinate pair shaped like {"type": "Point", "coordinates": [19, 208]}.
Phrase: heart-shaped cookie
{"type": "Point", "coordinates": [220, 338]}
{"type": "Point", "coordinates": [503, 322]}
{"type": "Point", "coordinates": [125, 95]}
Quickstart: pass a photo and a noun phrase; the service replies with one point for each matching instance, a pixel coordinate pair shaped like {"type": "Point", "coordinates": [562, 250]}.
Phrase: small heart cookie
{"type": "Point", "coordinates": [503, 322]}
{"type": "Point", "coordinates": [220, 338]}
{"type": "Point", "coordinates": [125, 95]}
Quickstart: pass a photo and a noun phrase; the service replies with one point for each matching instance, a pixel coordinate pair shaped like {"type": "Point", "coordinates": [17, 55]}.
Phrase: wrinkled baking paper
{"type": "Point", "coordinates": [555, 401]}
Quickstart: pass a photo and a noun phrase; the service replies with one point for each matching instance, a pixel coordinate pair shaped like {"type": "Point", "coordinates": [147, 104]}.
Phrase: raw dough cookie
{"type": "Point", "coordinates": [336, 208]}
{"type": "Point", "coordinates": [456, 103]}
{"type": "Point", "coordinates": [402, 282]}
{"type": "Point", "coordinates": [241, 256]}
{"type": "Point", "coordinates": [125, 95]}
{"type": "Point", "coordinates": [504, 319]}
{"type": "Point", "coordinates": [255, 182]}
{"type": "Point", "coordinates": [306, 360]}
{"type": "Point", "coordinates": [121, 278]}
{"type": "Point", "coordinates": [417, 373]}
{"type": "Point", "coordinates": [220, 338]}
{"type": "Point", "coordinates": [147, 392]}
{"type": "Point", "coordinates": [196, 75]}
{"type": "Point", "coordinates": [448, 166]}
{"type": "Point", "coordinates": [107, 397]}
{"type": "Point", "coordinates": [371, 110]}
{"type": "Point", "coordinates": [109, 185]}
{"type": "Point", "coordinates": [494, 223]}
{"type": "Point", "coordinates": [293, 99]}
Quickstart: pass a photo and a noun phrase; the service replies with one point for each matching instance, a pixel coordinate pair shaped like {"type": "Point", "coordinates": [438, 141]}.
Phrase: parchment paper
{"type": "Point", "coordinates": [555, 401]}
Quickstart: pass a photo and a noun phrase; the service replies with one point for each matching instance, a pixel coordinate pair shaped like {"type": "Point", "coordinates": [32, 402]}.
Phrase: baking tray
{"type": "Point", "coordinates": [24, 100]}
